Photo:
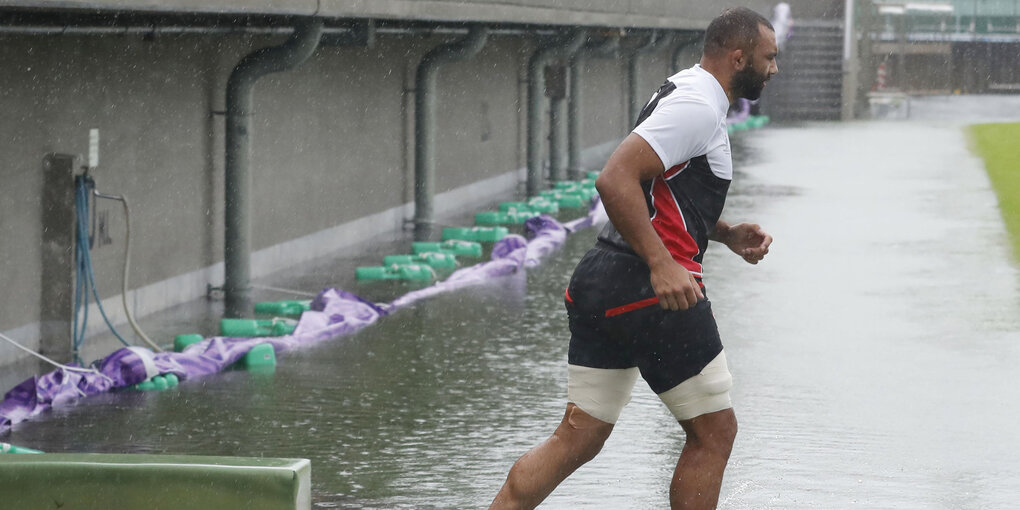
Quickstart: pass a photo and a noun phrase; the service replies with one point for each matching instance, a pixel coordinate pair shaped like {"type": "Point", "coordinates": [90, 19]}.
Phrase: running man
{"type": "Point", "coordinates": [636, 302]}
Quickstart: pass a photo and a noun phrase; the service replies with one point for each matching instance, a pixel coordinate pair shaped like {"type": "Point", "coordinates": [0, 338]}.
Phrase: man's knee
{"type": "Point", "coordinates": [727, 431]}
{"type": "Point", "coordinates": [714, 431]}
{"type": "Point", "coordinates": [584, 434]}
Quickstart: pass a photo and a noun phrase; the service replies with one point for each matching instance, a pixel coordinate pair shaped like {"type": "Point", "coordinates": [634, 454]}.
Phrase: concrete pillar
{"type": "Point", "coordinates": [574, 91]}
{"type": "Point", "coordinates": [556, 89]}
{"type": "Point", "coordinates": [536, 101]}
{"type": "Point", "coordinates": [56, 282]}
{"type": "Point", "coordinates": [636, 95]}
{"type": "Point", "coordinates": [609, 46]}
{"type": "Point", "coordinates": [851, 63]}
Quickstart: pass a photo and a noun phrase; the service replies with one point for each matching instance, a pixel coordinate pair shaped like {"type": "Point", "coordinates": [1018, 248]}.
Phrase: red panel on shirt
{"type": "Point", "coordinates": [669, 224]}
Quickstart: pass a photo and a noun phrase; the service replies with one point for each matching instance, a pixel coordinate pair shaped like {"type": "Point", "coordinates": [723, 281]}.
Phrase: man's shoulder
{"type": "Point", "coordinates": [690, 105]}
{"type": "Point", "coordinates": [695, 85]}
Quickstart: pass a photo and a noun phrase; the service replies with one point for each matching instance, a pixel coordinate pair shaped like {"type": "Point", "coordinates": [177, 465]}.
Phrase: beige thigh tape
{"type": "Point", "coordinates": [600, 392]}
{"type": "Point", "coordinates": [704, 393]}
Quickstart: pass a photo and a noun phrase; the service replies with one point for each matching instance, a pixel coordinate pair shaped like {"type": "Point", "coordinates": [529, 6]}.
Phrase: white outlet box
{"type": "Point", "coordinates": [93, 149]}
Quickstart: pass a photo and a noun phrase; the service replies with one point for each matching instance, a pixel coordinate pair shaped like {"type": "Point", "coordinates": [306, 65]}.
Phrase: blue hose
{"type": "Point", "coordinates": [85, 279]}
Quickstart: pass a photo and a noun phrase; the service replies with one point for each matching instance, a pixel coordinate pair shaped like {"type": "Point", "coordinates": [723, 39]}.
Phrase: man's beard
{"type": "Point", "coordinates": [747, 83]}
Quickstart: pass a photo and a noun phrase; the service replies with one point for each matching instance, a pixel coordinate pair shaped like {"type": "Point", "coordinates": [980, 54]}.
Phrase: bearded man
{"type": "Point", "coordinates": [636, 302]}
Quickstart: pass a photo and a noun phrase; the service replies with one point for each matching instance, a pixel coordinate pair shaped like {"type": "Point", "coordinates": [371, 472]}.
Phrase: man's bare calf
{"type": "Point", "coordinates": [577, 439]}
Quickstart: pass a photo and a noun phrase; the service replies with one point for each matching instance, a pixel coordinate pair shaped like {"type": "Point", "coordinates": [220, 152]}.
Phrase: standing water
{"type": "Point", "coordinates": [874, 354]}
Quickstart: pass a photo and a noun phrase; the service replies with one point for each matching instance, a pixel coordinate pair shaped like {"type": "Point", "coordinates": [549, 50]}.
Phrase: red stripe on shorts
{"type": "Point", "coordinates": [632, 306]}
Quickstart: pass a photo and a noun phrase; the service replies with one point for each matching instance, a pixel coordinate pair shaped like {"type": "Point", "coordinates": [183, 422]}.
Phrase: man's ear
{"type": "Point", "coordinates": [737, 58]}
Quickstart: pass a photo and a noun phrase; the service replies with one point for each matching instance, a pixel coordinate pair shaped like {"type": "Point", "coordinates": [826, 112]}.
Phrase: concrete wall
{"type": "Point", "coordinates": [151, 102]}
{"type": "Point", "coordinates": [331, 150]}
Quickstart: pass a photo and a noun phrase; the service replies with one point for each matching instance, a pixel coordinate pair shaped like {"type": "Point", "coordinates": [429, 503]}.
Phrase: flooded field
{"type": "Point", "coordinates": [874, 353]}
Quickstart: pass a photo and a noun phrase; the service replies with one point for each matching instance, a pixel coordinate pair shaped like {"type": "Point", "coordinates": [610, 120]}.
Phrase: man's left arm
{"type": "Point", "coordinates": [745, 239]}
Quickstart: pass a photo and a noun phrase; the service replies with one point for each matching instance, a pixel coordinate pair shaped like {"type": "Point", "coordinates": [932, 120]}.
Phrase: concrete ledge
{"type": "Point", "coordinates": [643, 13]}
{"type": "Point", "coordinates": [153, 482]}
{"type": "Point", "coordinates": [292, 7]}
{"type": "Point", "coordinates": [593, 13]}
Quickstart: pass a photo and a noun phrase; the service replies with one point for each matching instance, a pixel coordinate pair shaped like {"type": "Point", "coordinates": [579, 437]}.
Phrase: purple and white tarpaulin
{"type": "Point", "coordinates": [334, 313]}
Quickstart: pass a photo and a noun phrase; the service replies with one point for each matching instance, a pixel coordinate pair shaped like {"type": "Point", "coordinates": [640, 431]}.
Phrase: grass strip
{"type": "Point", "coordinates": [999, 146]}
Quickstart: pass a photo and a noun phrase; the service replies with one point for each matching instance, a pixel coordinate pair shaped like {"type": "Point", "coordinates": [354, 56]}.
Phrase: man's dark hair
{"type": "Point", "coordinates": [736, 27]}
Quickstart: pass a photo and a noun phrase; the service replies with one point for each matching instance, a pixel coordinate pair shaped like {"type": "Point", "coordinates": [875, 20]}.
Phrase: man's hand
{"type": "Point", "coordinates": [749, 241]}
{"type": "Point", "coordinates": [674, 285]}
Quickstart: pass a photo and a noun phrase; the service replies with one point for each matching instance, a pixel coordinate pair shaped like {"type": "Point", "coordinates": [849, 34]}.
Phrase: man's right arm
{"type": "Point", "coordinates": [619, 186]}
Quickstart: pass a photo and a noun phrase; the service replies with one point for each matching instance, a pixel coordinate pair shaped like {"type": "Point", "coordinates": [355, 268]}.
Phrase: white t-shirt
{"type": "Point", "coordinates": [685, 123]}
{"type": "Point", "coordinates": [690, 122]}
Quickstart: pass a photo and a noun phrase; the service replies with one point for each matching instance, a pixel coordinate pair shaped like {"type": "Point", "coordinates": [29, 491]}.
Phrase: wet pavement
{"type": "Point", "coordinates": [874, 352]}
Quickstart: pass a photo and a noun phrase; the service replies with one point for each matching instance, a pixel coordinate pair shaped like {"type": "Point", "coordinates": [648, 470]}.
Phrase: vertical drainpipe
{"type": "Point", "coordinates": [536, 97]}
{"type": "Point", "coordinates": [559, 115]}
{"type": "Point", "coordinates": [634, 91]}
{"type": "Point", "coordinates": [238, 181]}
{"type": "Point", "coordinates": [425, 119]}
{"type": "Point", "coordinates": [557, 137]}
{"type": "Point", "coordinates": [574, 167]}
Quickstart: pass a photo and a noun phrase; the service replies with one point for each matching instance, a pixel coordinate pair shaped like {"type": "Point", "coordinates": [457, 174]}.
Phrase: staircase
{"type": "Point", "coordinates": [809, 85]}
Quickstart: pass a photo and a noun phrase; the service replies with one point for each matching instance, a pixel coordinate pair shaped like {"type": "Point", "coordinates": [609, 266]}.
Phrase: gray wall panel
{"type": "Point", "coordinates": [147, 116]}
{"type": "Point", "coordinates": [328, 142]}
{"type": "Point", "coordinates": [478, 126]}
{"type": "Point", "coordinates": [603, 103]}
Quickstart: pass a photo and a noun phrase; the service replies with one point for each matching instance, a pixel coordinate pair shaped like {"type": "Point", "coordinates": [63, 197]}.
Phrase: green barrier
{"type": "Point", "coordinates": [245, 328]}
{"type": "Point", "coordinates": [572, 202]}
{"type": "Point", "coordinates": [150, 384]}
{"type": "Point", "coordinates": [491, 218]}
{"type": "Point", "coordinates": [432, 259]}
{"type": "Point", "coordinates": [566, 200]}
{"type": "Point", "coordinates": [758, 121]}
{"type": "Point", "coordinates": [182, 342]}
{"type": "Point", "coordinates": [153, 482]}
{"type": "Point", "coordinates": [288, 307]}
{"type": "Point", "coordinates": [157, 383]}
{"type": "Point", "coordinates": [414, 272]}
{"type": "Point", "coordinates": [514, 206]}
{"type": "Point", "coordinates": [262, 357]}
{"type": "Point", "coordinates": [592, 175]}
{"type": "Point", "coordinates": [543, 205]}
{"type": "Point", "coordinates": [477, 234]}
{"type": "Point", "coordinates": [452, 247]}
{"type": "Point", "coordinates": [537, 205]}
{"type": "Point", "coordinates": [9, 448]}
{"type": "Point", "coordinates": [586, 191]}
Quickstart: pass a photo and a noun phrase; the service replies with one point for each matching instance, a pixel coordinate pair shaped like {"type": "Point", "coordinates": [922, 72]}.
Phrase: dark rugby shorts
{"type": "Point", "coordinates": [617, 323]}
